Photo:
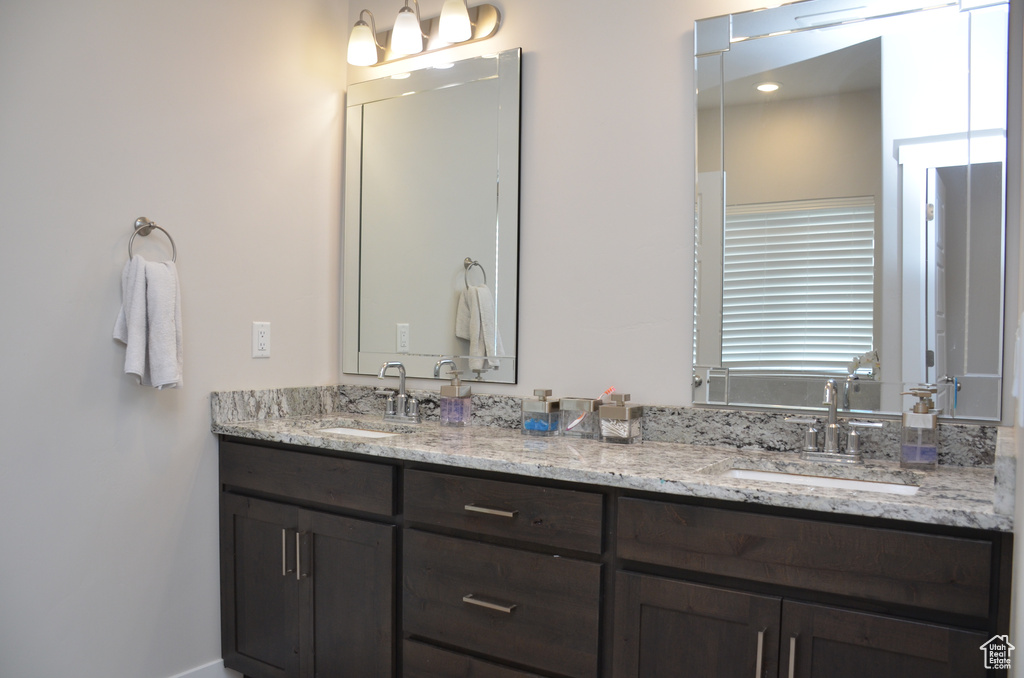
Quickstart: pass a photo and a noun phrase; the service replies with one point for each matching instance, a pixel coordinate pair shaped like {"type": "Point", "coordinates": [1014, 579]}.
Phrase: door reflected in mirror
{"type": "Point", "coordinates": [850, 220]}
{"type": "Point", "coordinates": [431, 220]}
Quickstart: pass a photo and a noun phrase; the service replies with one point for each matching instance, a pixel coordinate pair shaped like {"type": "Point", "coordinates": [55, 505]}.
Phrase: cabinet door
{"type": "Point", "coordinates": [259, 596]}
{"type": "Point", "coordinates": [666, 628]}
{"type": "Point", "coordinates": [834, 643]}
{"type": "Point", "coordinates": [348, 597]}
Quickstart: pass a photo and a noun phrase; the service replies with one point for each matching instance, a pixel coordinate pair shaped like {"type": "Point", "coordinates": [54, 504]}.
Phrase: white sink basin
{"type": "Point", "coordinates": [823, 481]}
{"type": "Point", "coordinates": [359, 432]}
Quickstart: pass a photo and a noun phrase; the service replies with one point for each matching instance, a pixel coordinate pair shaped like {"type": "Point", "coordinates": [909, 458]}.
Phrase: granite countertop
{"type": "Point", "coordinates": [954, 496]}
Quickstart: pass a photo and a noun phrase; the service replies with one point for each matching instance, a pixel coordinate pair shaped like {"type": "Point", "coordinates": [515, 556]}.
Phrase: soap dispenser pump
{"type": "Point", "coordinates": [920, 439]}
{"type": "Point", "coordinates": [456, 401]}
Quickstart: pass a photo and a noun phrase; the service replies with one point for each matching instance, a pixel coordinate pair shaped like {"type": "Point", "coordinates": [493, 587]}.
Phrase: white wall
{"type": "Point", "coordinates": [220, 120]}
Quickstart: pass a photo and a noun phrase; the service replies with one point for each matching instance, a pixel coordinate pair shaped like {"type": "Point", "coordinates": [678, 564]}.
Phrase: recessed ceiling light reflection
{"type": "Point", "coordinates": [767, 87]}
{"type": "Point", "coordinates": [400, 76]}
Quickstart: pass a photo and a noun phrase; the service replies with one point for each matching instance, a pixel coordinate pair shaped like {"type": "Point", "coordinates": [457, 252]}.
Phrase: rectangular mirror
{"type": "Point", "coordinates": [431, 240]}
{"type": "Point", "coordinates": [850, 220]}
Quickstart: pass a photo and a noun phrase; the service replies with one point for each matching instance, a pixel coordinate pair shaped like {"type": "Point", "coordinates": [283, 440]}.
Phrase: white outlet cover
{"type": "Point", "coordinates": [402, 337]}
{"type": "Point", "coordinates": [261, 340]}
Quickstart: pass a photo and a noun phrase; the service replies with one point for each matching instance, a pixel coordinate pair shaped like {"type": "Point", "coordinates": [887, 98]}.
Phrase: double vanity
{"type": "Point", "coordinates": [351, 546]}
{"type": "Point", "coordinates": [358, 544]}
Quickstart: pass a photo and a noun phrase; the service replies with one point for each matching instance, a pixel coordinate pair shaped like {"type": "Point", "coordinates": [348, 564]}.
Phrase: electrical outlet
{"type": "Point", "coordinates": [402, 337]}
{"type": "Point", "coordinates": [260, 340]}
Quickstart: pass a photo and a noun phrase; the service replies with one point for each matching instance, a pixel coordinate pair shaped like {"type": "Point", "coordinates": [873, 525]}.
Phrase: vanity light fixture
{"type": "Point", "coordinates": [767, 87]}
{"type": "Point", "coordinates": [458, 24]}
{"type": "Point", "coordinates": [362, 44]}
{"type": "Point", "coordinates": [455, 25]}
{"type": "Point", "coordinates": [407, 36]}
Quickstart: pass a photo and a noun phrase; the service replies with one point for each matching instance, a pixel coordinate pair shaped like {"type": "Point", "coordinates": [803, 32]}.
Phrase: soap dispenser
{"type": "Point", "coordinates": [920, 440]}
{"type": "Point", "coordinates": [456, 401]}
{"type": "Point", "coordinates": [540, 416]}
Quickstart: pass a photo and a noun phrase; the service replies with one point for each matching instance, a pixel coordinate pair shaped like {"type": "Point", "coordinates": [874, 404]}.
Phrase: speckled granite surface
{"type": "Point", "coordinates": [960, 445]}
{"type": "Point", "coordinates": [952, 495]}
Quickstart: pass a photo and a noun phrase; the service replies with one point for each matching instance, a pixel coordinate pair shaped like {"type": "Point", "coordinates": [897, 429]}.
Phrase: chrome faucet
{"type": "Point", "coordinates": [850, 378]}
{"type": "Point", "coordinates": [401, 407]}
{"type": "Point", "coordinates": [443, 361]}
{"type": "Point", "coordinates": [831, 399]}
{"type": "Point", "coordinates": [831, 452]}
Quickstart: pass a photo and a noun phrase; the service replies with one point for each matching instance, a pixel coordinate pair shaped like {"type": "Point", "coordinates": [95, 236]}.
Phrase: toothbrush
{"type": "Point", "coordinates": [571, 426]}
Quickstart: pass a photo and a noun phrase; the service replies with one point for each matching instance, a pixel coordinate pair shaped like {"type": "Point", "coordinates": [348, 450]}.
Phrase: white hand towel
{"type": "Point", "coordinates": [149, 323]}
{"type": "Point", "coordinates": [488, 317]}
{"type": "Point", "coordinates": [163, 312]}
{"type": "Point", "coordinates": [474, 320]}
{"type": "Point", "coordinates": [130, 327]}
{"type": "Point", "coordinates": [462, 323]}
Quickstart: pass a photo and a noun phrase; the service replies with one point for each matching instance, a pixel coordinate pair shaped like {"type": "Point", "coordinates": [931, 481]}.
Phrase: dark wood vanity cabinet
{"type": "Point", "coordinates": [663, 623]}
{"type": "Point", "coordinates": [348, 566]}
{"type": "Point", "coordinates": [305, 592]}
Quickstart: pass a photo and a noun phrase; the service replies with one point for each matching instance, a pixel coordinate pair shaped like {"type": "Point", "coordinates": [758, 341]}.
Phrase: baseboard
{"type": "Point", "coordinates": [212, 670]}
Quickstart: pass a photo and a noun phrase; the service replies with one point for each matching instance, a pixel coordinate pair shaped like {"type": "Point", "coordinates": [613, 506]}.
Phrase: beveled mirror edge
{"type": "Point", "coordinates": [506, 65]}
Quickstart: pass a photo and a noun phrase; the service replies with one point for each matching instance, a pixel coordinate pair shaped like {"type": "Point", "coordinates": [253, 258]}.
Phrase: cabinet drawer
{"type": "Point", "coordinates": [536, 610]}
{"type": "Point", "coordinates": [344, 483]}
{"type": "Point", "coordinates": [948, 574]}
{"type": "Point", "coordinates": [541, 515]}
{"type": "Point", "coordinates": [420, 660]}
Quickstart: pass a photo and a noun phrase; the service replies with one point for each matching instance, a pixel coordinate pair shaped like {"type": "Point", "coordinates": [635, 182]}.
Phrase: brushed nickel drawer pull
{"type": "Point", "coordinates": [491, 511]}
{"type": "Point", "coordinates": [792, 657]}
{"type": "Point", "coordinates": [285, 571]}
{"type": "Point", "coordinates": [298, 556]}
{"type": "Point", "coordinates": [760, 652]}
{"type": "Point", "coordinates": [284, 552]}
{"type": "Point", "coordinates": [472, 600]}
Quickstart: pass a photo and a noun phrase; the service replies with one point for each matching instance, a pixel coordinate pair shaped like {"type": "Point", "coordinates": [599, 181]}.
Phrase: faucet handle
{"type": "Point", "coordinates": [810, 435]}
{"type": "Point", "coordinates": [802, 420]}
{"type": "Point", "coordinates": [853, 438]}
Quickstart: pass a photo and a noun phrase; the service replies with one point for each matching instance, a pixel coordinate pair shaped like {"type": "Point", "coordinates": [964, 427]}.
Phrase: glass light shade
{"type": "Point", "coordinates": [406, 37]}
{"type": "Point", "coordinates": [454, 24]}
{"type": "Point", "coordinates": [362, 48]}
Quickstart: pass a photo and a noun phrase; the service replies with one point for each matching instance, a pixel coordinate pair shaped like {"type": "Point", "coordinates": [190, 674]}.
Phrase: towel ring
{"type": "Point", "coordinates": [144, 227]}
{"type": "Point", "coordinates": [468, 264]}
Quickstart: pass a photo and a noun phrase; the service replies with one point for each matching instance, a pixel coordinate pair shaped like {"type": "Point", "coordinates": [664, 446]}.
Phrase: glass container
{"type": "Point", "coordinates": [540, 417]}
{"type": "Point", "coordinates": [919, 448]}
{"type": "Point", "coordinates": [579, 417]}
{"type": "Point", "coordinates": [621, 422]}
{"type": "Point", "coordinates": [456, 404]}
